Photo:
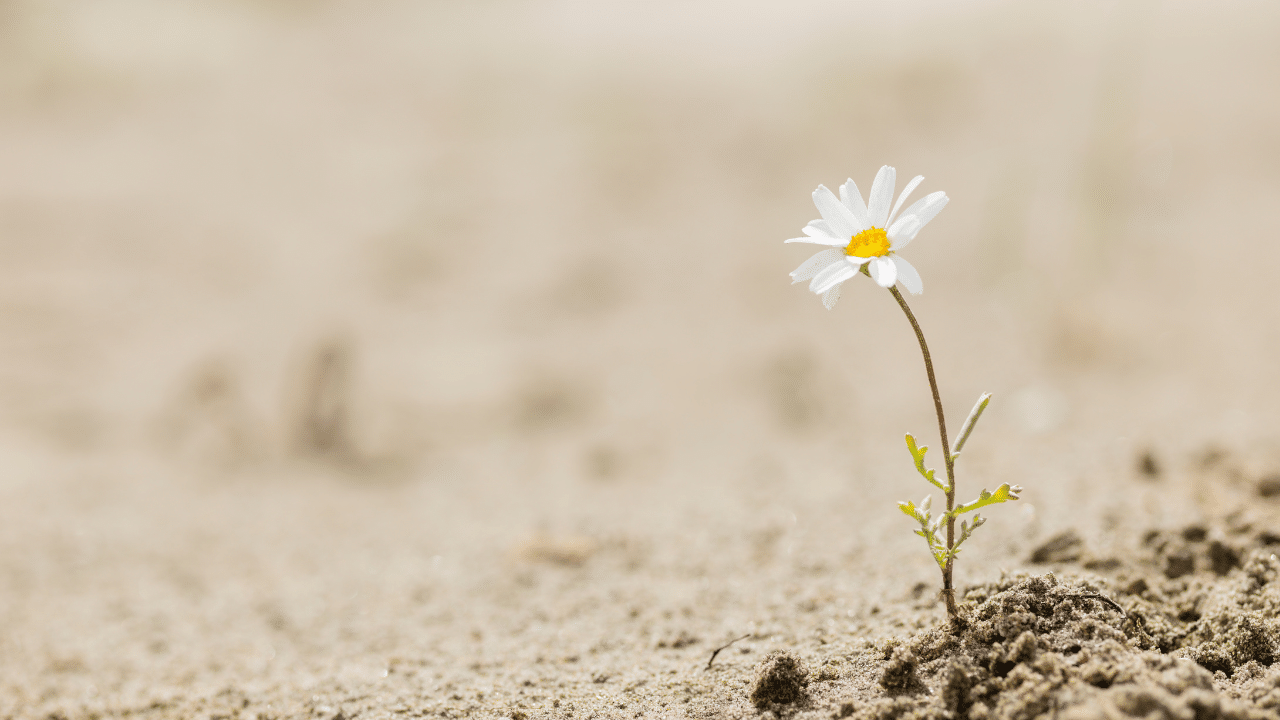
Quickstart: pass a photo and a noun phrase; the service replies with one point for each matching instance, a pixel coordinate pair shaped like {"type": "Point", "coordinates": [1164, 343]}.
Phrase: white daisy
{"type": "Point", "coordinates": [865, 234]}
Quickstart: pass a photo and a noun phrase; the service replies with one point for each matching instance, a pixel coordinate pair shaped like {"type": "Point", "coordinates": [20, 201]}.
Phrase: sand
{"type": "Point", "coordinates": [402, 359]}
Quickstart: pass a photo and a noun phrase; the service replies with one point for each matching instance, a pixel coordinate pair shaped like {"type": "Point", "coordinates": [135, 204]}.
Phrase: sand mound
{"type": "Point", "coordinates": [1193, 634]}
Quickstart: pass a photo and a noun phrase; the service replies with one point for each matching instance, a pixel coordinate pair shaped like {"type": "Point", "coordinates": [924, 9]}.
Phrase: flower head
{"type": "Point", "coordinates": [865, 234]}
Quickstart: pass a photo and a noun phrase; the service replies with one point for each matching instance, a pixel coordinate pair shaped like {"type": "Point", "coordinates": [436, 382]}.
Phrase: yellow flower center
{"type": "Point", "coordinates": [872, 242]}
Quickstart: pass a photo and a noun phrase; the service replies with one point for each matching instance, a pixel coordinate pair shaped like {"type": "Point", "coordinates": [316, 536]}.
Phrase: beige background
{"type": "Point", "coordinates": [325, 327]}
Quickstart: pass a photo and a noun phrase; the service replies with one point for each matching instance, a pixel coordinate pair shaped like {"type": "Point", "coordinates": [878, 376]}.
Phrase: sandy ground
{"type": "Point", "coordinates": [392, 359]}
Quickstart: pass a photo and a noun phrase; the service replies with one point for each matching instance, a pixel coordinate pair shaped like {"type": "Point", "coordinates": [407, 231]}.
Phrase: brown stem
{"type": "Point", "coordinates": [948, 589]}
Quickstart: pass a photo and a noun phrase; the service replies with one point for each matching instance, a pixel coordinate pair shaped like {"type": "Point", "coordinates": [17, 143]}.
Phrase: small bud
{"type": "Point", "coordinates": [970, 422]}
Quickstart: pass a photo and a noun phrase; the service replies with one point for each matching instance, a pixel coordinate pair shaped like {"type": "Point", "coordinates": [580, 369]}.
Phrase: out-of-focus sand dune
{"type": "Point", "coordinates": [341, 335]}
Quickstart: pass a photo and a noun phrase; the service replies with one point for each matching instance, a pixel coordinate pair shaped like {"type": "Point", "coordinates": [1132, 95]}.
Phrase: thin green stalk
{"type": "Point", "coordinates": [948, 588]}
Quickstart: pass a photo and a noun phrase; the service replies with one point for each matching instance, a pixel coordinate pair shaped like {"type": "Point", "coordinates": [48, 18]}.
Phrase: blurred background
{"type": "Point", "coordinates": [294, 294]}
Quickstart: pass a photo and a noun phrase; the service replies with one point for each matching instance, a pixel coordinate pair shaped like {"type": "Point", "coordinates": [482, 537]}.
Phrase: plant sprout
{"type": "Point", "coordinates": [865, 238]}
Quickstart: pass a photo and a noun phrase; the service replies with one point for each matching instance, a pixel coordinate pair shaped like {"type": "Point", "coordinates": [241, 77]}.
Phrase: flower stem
{"type": "Point", "coordinates": [948, 588]}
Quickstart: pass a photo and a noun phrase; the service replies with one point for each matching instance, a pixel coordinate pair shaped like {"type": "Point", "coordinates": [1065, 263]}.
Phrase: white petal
{"type": "Point", "coordinates": [852, 199]}
{"type": "Point", "coordinates": [857, 261]}
{"type": "Point", "coordinates": [936, 201]}
{"type": "Point", "coordinates": [905, 226]}
{"type": "Point", "coordinates": [832, 275]}
{"type": "Point", "coordinates": [928, 206]}
{"type": "Point", "coordinates": [884, 272]}
{"type": "Point", "coordinates": [818, 240]}
{"type": "Point", "coordinates": [908, 276]}
{"type": "Point", "coordinates": [830, 297]}
{"type": "Point", "coordinates": [819, 233]}
{"type": "Point", "coordinates": [815, 264]}
{"type": "Point", "coordinates": [881, 196]}
{"type": "Point", "coordinates": [906, 191]}
{"type": "Point", "coordinates": [820, 227]}
{"type": "Point", "coordinates": [904, 231]}
{"type": "Point", "coordinates": [838, 217]}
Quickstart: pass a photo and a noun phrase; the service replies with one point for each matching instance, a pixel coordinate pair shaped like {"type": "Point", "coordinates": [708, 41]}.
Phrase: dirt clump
{"type": "Point", "coordinates": [781, 679]}
{"type": "Point", "coordinates": [900, 674]}
{"type": "Point", "coordinates": [1193, 548]}
{"type": "Point", "coordinates": [1065, 547]}
{"type": "Point", "coordinates": [1197, 647]}
{"type": "Point", "coordinates": [1269, 486]}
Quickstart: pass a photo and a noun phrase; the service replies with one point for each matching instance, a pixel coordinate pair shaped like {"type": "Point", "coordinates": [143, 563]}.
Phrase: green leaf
{"type": "Point", "coordinates": [917, 454]}
{"type": "Point", "coordinates": [928, 528]}
{"type": "Point", "coordinates": [966, 529]}
{"type": "Point", "coordinates": [1003, 493]}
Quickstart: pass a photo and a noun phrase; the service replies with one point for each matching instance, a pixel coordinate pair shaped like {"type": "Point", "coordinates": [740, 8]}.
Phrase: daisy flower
{"type": "Point", "coordinates": [865, 234]}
